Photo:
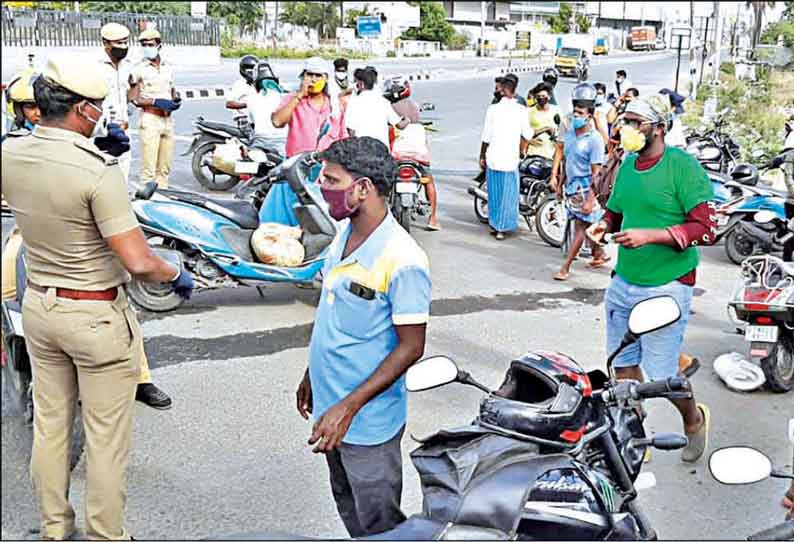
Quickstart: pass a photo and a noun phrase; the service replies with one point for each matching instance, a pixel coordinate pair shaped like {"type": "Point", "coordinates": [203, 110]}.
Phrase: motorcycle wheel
{"type": "Point", "coordinates": [778, 366]}
{"type": "Point", "coordinates": [738, 247]}
{"type": "Point", "coordinates": [152, 296]}
{"type": "Point", "coordinates": [550, 221]}
{"type": "Point", "coordinates": [213, 181]}
{"type": "Point", "coordinates": [481, 206]}
{"type": "Point", "coordinates": [403, 216]}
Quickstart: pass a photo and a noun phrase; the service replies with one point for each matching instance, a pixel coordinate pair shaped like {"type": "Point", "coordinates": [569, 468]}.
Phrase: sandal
{"type": "Point", "coordinates": [699, 440]}
{"type": "Point", "coordinates": [559, 275]}
{"type": "Point", "coordinates": [597, 263]}
{"type": "Point", "coordinates": [433, 227]}
{"type": "Point", "coordinates": [688, 365]}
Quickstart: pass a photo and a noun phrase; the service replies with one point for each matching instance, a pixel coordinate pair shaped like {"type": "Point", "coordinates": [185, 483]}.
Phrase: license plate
{"type": "Point", "coordinates": [407, 188]}
{"type": "Point", "coordinates": [246, 167]}
{"type": "Point", "coordinates": [761, 334]}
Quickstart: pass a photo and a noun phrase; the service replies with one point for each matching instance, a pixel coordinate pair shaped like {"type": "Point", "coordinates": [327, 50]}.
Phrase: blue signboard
{"type": "Point", "coordinates": [368, 27]}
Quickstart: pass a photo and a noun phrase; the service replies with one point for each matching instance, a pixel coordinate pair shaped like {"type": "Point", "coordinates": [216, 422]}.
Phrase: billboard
{"type": "Point", "coordinates": [368, 27]}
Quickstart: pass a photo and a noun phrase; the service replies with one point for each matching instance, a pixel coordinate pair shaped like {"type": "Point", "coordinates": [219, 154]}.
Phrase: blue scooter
{"type": "Point", "coordinates": [212, 237]}
{"type": "Point", "coordinates": [744, 235]}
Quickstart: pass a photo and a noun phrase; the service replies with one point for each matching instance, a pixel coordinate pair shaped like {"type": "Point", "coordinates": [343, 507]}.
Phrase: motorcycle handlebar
{"type": "Point", "coordinates": [783, 531]}
{"type": "Point", "coordinates": [660, 388]}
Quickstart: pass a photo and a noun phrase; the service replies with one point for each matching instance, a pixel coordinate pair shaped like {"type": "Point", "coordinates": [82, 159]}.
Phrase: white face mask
{"type": "Point", "coordinates": [100, 125]}
{"type": "Point", "coordinates": [150, 52]}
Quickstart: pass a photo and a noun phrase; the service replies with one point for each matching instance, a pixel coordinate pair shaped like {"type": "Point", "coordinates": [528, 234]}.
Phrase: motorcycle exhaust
{"type": "Point", "coordinates": [478, 193]}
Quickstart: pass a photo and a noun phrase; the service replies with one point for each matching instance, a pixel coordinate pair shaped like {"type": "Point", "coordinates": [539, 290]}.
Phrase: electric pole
{"type": "Point", "coordinates": [482, 29]}
{"type": "Point", "coordinates": [717, 41]}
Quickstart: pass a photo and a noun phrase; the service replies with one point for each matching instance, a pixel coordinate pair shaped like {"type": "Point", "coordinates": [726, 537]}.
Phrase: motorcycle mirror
{"type": "Point", "coordinates": [557, 120]}
{"type": "Point", "coordinates": [764, 217]}
{"type": "Point", "coordinates": [428, 106]}
{"type": "Point", "coordinates": [431, 373]}
{"type": "Point", "coordinates": [738, 465]}
{"type": "Point", "coordinates": [653, 314]}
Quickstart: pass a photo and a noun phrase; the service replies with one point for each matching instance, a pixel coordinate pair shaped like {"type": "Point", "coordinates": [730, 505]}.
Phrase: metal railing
{"type": "Point", "coordinates": [45, 28]}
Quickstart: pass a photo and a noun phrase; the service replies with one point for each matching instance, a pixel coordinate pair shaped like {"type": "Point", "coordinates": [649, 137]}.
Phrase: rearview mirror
{"type": "Point", "coordinates": [764, 217]}
{"type": "Point", "coordinates": [653, 314]}
{"type": "Point", "coordinates": [427, 106]}
{"type": "Point", "coordinates": [739, 465]}
{"type": "Point", "coordinates": [431, 373]}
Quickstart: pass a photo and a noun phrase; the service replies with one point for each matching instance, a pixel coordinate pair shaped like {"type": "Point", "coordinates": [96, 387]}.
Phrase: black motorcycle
{"type": "Point", "coordinates": [216, 171]}
{"type": "Point", "coordinates": [487, 482]}
{"type": "Point", "coordinates": [715, 149]}
{"type": "Point", "coordinates": [537, 202]}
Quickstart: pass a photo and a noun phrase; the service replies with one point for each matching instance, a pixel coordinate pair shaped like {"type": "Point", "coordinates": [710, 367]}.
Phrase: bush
{"type": "Point", "coordinates": [784, 28]}
{"type": "Point", "coordinates": [391, 54]}
{"type": "Point", "coordinates": [728, 68]}
{"type": "Point", "coordinates": [285, 52]}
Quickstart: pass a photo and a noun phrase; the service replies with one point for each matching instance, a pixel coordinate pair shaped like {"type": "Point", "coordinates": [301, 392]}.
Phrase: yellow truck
{"type": "Point", "coordinates": [601, 47]}
{"type": "Point", "coordinates": [573, 62]}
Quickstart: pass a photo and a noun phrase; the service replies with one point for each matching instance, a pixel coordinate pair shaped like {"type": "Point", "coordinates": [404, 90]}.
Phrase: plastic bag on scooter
{"type": "Point", "coordinates": [277, 244]}
{"type": "Point", "coordinates": [225, 156]}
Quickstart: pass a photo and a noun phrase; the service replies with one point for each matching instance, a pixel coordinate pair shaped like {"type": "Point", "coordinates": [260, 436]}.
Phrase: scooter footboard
{"type": "Point", "coordinates": [252, 273]}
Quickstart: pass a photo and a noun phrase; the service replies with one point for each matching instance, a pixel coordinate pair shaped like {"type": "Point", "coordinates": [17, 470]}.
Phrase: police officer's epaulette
{"type": "Point", "coordinates": [19, 132]}
{"type": "Point", "coordinates": [90, 148]}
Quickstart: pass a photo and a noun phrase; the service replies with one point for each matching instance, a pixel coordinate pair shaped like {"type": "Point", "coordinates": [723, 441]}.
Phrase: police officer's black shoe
{"type": "Point", "coordinates": [152, 396]}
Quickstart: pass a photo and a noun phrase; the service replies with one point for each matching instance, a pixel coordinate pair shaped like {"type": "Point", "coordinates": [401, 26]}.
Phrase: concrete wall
{"type": "Point", "coordinates": [15, 58]}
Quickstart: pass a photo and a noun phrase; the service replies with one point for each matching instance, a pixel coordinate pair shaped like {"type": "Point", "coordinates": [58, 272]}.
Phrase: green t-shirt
{"type": "Point", "coordinates": [658, 198]}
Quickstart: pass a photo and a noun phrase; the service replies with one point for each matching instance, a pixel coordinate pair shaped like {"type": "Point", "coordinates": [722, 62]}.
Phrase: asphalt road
{"type": "Point", "coordinates": [231, 456]}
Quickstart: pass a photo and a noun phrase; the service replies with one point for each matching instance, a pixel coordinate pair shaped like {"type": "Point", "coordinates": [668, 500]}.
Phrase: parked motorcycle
{"type": "Point", "coordinates": [714, 149]}
{"type": "Point", "coordinates": [213, 237]}
{"type": "Point", "coordinates": [223, 154]}
{"type": "Point", "coordinates": [16, 363]}
{"type": "Point", "coordinates": [763, 298]}
{"type": "Point", "coordinates": [740, 465]}
{"type": "Point", "coordinates": [744, 234]}
{"type": "Point", "coordinates": [492, 480]}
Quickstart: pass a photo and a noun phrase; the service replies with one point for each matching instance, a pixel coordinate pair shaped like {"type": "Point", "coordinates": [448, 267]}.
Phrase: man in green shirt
{"type": "Point", "coordinates": [661, 210]}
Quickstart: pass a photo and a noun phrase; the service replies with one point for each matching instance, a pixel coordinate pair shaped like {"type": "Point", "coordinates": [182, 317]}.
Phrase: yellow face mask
{"type": "Point", "coordinates": [318, 87]}
{"type": "Point", "coordinates": [631, 139]}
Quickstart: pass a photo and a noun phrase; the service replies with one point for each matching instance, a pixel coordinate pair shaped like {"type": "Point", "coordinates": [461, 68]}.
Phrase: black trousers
{"type": "Point", "coordinates": [367, 484]}
{"type": "Point", "coordinates": [788, 247]}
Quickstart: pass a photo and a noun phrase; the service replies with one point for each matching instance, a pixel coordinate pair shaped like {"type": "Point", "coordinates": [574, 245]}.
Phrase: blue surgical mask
{"type": "Point", "coordinates": [29, 125]}
{"type": "Point", "coordinates": [600, 99]}
{"type": "Point", "coordinates": [580, 122]}
{"type": "Point", "coordinates": [150, 52]}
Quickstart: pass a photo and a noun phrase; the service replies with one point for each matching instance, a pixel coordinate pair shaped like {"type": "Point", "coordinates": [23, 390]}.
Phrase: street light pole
{"type": "Point", "coordinates": [717, 41]}
{"type": "Point", "coordinates": [482, 29]}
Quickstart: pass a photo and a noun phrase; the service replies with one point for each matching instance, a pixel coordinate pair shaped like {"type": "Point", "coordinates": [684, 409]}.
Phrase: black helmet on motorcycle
{"type": "Point", "coordinates": [248, 68]}
{"type": "Point", "coordinates": [544, 395]}
{"type": "Point", "coordinates": [550, 76]}
{"type": "Point", "coordinates": [265, 76]}
{"type": "Point", "coordinates": [584, 94]}
{"type": "Point", "coordinates": [746, 174]}
{"type": "Point", "coordinates": [396, 88]}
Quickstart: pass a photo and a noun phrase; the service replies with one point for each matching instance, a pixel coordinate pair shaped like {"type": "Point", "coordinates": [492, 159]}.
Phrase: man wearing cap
{"type": "Point", "coordinates": [661, 208]}
{"type": "Point", "coordinates": [306, 111]}
{"type": "Point", "coordinates": [152, 89]}
{"type": "Point", "coordinates": [82, 242]}
{"type": "Point", "coordinates": [117, 69]}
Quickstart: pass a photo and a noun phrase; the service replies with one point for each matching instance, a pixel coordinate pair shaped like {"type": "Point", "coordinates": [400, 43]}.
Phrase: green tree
{"type": "Point", "coordinates": [561, 23]}
{"type": "Point", "coordinates": [155, 8]}
{"type": "Point", "coordinates": [759, 8]}
{"type": "Point", "coordinates": [246, 16]}
{"type": "Point", "coordinates": [352, 15]}
{"type": "Point", "coordinates": [434, 25]}
{"type": "Point", "coordinates": [583, 22]}
{"type": "Point", "coordinates": [784, 28]}
{"type": "Point", "coordinates": [321, 16]}
{"type": "Point", "coordinates": [788, 13]}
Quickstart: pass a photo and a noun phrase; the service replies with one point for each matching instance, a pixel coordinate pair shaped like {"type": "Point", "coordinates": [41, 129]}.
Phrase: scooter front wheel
{"type": "Point", "coordinates": [206, 175]}
{"type": "Point", "coordinates": [153, 296]}
{"type": "Point", "coordinates": [778, 366]}
{"type": "Point", "coordinates": [481, 205]}
{"type": "Point", "coordinates": [738, 246]}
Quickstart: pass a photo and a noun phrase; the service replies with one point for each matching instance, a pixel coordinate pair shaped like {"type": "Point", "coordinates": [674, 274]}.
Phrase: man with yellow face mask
{"type": "Point", "coordinates": [661, 208]}
{"type": "Point", "coordinates": [306, 111]}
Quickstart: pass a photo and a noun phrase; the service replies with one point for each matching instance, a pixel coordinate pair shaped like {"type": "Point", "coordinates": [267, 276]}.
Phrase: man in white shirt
{"type": "Point", "coordinates": [116, 68]}
{"type": "Point", "coordinates": [261, 104]}
{"type": "Point", "coordinates": [504, 140]}
{"type": "Point", "coordinates": [243, 88]}
{"type": "Point", "coordinates": [369, 113]}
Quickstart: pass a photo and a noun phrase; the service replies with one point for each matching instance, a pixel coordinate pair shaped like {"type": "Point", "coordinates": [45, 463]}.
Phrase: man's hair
{"type": "Point", "coordinates": [509, 83]}
{"type": "Point", "coordinates": [621, 72]}
{"type": "Point", "coordinates": [585, 103]}
{"type": "Point", "coordinates": [600, 86]}
{"type": "Point", "coordinates": [543, 86]}
{"type": "Point", "coordinates": [633, 91]}
{"type": "Point", "coordinates": [364, 157]}
{"type": "Point", "coordinates": [340, 63]}
{"type": "Point", "coordinates": [54, 101]}
{"type": "Point", "coordinates": [367, 76]}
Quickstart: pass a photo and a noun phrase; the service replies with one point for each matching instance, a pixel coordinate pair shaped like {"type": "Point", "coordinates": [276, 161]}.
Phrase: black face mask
{"type": "Point", "coordinates": [497, 96]}
{"type": "Point", "coordinates": [118, 53]}
{"type": "Point", "coordinates": [542, 101]}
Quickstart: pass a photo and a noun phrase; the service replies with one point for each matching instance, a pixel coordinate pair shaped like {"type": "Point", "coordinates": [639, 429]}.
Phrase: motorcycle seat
{"type": "Point", "coordinates": [418, 157]}
{"type": "Point", "coordinates": [233, 131]}
{"type": "Point", "coordinates": [241, 213]}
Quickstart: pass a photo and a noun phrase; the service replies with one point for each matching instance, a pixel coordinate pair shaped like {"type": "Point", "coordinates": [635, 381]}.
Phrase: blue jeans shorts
{"type": "Point", "coordinates": [657, 353]}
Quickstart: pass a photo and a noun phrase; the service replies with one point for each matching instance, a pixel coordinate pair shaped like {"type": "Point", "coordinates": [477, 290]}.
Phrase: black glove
{"type": "Point", "coordinates": [167, 105]}
{"type": "Point", "coordinates": [115, 143]}
{"type": "Point", "coordinates": [183, 284]}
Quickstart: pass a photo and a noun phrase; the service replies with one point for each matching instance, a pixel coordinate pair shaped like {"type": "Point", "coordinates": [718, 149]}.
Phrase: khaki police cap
{"type": "Point", "coordinates": [149, 35]}
{"type": "Point", "coordinates": [114, 32]}
{"type": "Point", "coordinates": [78, 77]}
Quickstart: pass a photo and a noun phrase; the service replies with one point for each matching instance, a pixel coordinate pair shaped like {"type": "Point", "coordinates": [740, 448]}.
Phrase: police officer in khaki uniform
{"type": "Point", "coordinates": [82, 241]}
{"type": "Point", "coordinates": [152, 89]}
{"type": "Point", "coordinates": [117, 68]}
